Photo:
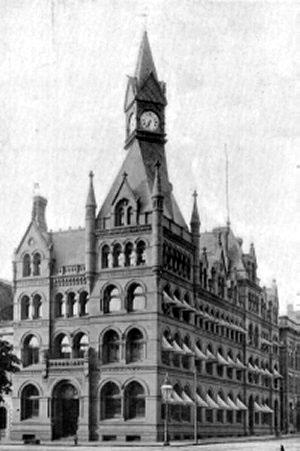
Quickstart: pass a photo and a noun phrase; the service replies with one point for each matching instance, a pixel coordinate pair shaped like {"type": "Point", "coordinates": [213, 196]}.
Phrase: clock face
{"type": "Point", "coordinates": [149, 121]}
{"type": "Point", "coordinates": [132, 123]}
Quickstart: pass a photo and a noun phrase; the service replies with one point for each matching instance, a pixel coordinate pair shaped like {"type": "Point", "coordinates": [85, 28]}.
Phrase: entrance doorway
{"type": "Point", "coordinates": [65, 410]}
{"type": "Point", "coordinates": [251, 415]}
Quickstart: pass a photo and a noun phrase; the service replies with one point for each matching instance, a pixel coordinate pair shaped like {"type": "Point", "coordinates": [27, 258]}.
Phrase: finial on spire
{"type": "Point", "coordinates": [227, 188]}
{"type": "Point", "coordinates": [91, 200]}
{"type": "Point", "coordinates": [195, 219]}
{"type": "Point", "coordinates": [124, 175]}
{"type": "Point", "coordinates": [145, 64]}
{"type": "Point", "coordinates": [156, 191]}
{"type": "Point", "coordinates": [145, 15]}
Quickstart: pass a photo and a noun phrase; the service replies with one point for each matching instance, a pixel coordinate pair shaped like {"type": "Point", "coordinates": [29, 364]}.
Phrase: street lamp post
{"type": "Point", "coordinates": [166, 391]}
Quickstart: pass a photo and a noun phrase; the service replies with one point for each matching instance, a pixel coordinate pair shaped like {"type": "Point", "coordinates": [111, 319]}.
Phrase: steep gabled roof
{"type": "Point", "coordinates": [145, 64]}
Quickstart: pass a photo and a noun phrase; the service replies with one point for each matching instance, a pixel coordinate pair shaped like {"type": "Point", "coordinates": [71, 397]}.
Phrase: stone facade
{"type": "Point", "coordinates": [101, 314]}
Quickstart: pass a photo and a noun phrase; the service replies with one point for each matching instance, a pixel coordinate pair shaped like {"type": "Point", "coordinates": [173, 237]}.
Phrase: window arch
{"type": "Point", "coordinates": [110, 401]}
{"type": "Point", "coordinates": [117, 255]}
{"type": "Point", "coordinates": [111, 347]}
{"type": "Point", "coordinates": [135, 346]}
{"type": "Point", "coordinates": [105, 252]}
{"type": "Point", "coordinates": [25, 307]}
{"type": "Point", "coordinates": [129, 255]}
{"type": "Point", "coordinates": [111, 299]}
{"type": "Point", "coordinates": [71, 300]}
{"type": "Point", "coordinates": [31, 350]}
{"type": "Point", "coordinates": [83, 300]}
{"type": "Point", "coordinates": [136, 298]}
{"type": "Point", "coordinates": [135, 401]}
{"type": "Point", "coordinates": [29, 402]}
{"type": "Point", "coordinates": [37, 264]}
{"type": "Point", "coordinates": [120, 212]}
{"type": "Point", "coordinates": [80, 345]}
{"type": "Point", "coordinates": [129, 215]}
{"type": "Point", "coordinates": [141, 253]}
{"type": "Point", "coordinates": [59, 305]}
{"type": "Point", "coordinates": [26, 265]}
{"type": "Point", "coordinates": [62, 347]}
{"type": "Point", "coordinates": [36, 306]}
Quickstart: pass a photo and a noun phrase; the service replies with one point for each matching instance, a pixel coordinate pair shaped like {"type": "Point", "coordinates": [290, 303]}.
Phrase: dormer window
{"type": "Point", "coordinates": [123, 213]}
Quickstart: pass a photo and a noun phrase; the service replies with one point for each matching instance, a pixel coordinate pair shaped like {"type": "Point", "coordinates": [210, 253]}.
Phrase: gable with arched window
{"type": "Point", "coordinates": [37, 264]}
{"type": "Point", "coordinates": [26, 265]}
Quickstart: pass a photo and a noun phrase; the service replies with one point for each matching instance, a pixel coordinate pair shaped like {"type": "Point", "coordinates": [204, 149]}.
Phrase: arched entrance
{"type": "Point", "coordinates": [65, 410]}
{"type": "Point", "coordinates": [251, 415]}
{"type": "Point", "coordinates": [3, 421]}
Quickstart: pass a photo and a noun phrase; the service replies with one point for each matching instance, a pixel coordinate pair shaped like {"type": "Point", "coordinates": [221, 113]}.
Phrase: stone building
{"type": "Point", "coordinates": [101, 314]}
{"type": "Point", "coordinates": [289, 328]}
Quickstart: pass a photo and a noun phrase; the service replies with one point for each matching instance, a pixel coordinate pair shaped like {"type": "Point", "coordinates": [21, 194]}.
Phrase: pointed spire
{"type": "Point", "coordinates": [156, 190]}
{"type": "Point", "coordinates": [195, 219]}
{"type": "Point", "coordinates": [145, 64]}
{"type": "Point", "coordinates": [91, 200]}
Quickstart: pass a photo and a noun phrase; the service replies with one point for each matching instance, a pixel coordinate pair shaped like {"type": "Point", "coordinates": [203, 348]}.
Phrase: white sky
{"type": "Point", "coordinates": [230, 69]}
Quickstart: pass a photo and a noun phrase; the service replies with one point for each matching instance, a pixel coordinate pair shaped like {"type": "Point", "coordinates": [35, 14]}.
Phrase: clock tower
{"type": "Point", "coordinates": [145, 100]}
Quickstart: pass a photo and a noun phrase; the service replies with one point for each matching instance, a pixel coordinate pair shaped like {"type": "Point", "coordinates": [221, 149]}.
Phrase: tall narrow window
{"type": "Point", "coordinates": [120, 212]}
{"type": "Point", "coordinates": [37, 264]}
{"type": "Point", "coordinates": [141, 253]}
{"type": "Point", "coordinates": [30, 351]}
{"type": "Point", "coordinates": [135, 403]}
{"type": "Point", "coordinates": [25, 307]}
{"type": "Point", "coordinates": [111, 300]}
{"type": "Point", "coordinates": [37, 306]}
{"type": "Point", "coordinates": [59, 305]}
{"type": "Point", "coordinates": [71, 304]}
{"type": "Point", "coordinates": [29, 402]}
{"type": "Point", "coordinates": [117, 255]}
{"type": "Point", "coordinates": [111, 347]}
{"type": "Point", "coordinates": [105, 256]}
{"type": "Point", "coordinates": [26, 266]}
{"type": "Point", "coordinates": [81, 345]}
{"type": "Point", "coordinates": [134, 346]}
{"type": "Point", "coordinates": [110, 401]}
{"type": "Point", "coordinates": [135, 298]}
{"type": "Point", "coordinates": [128, 254]}
{"type": "Point", "coordinates": [83, 299]}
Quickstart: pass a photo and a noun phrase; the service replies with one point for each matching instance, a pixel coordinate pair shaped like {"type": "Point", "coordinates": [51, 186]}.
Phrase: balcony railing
{"type": "Point", "coordinates": [59, 363]}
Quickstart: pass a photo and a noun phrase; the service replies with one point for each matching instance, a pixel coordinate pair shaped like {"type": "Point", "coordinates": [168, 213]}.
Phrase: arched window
{"type": "Point", "coordinates": [120, 212]}
{"type": "Point", "coordinates": [31, 351]}
{"type": "Point", "coordinates": [59, 304]}
{"type": "Point", "coordinates": [83, 299]}
{"type": "Point", "coordinates": [25, 307]}
{"type": "Point", "coordinates": [111, 347]}
{"type": "Point", "coordinates": [111, 299]}
{"type": "Point", "coordinates": [135, 403]}
{"type": "Point", "coordinates": [62, 347]}
{"type": "Point", "coordinates": [71, 304]}
{"type": "Point", "coordinates": [37, 306]}
{"type": "Point", "coordinates": [26, 265]}
{"type": "Point", "coordinates": [29, 402]}
{"type": "Point", "coordinates": [129, 215]}
{"type": "Point", "coordinates": [135, 298]}
{"type": "Point", "coordinates": [129, 254]}
{"type": "Point", "coordinates": [141, 253]}
{"type": "Point", "coordinates": [135, 345]}
{"type": "Point", "coordinates": [3, 418]}
{"type": "Point", "coordinates": [105, 256]}
{"type": "Point", "coordinates": [37, 264]}
{"type": "Point", "coordinates": [80, 345]}
{"type": "Point", "coordinates": [110, 401]}
{"type": "Point", "coordinates": [117, 254]}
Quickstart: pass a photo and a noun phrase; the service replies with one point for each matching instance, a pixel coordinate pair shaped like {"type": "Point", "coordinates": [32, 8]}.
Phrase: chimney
{"type": "Point", "coordinates": [39, 209]}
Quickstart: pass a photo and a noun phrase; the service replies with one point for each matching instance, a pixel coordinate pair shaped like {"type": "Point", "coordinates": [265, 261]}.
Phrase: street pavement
{"type": "Point", "coordinates": [289, 444]}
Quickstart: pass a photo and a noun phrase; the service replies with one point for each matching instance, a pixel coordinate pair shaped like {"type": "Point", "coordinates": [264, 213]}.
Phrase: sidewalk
{"type": "Point", "coordinates": [204, 441]}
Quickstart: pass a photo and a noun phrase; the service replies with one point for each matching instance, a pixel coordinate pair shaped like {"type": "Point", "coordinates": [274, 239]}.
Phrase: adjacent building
{"type": "Point", "coordinates": [101, 314]}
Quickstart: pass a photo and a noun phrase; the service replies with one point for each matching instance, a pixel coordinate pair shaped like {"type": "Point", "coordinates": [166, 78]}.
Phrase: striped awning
{"type": "Point", "coordinates": [210, 356]}
{"type": "Point", "coordinates": [178, 349]}
{"type": "Point", "coordinates": [186, 398]}
{"type": "Point", "coordinates": [267, 409]}
{"type": "Point", "coordinates": [187, 350]}
{"type": "Point", "coordinates": [166, 346]}
{"type": "Point", "coordinates": [211, 403]}
{"type": "Point", "coordinates": [258, 407]}
{"type": "Point", "coordinates": [276, 374]}
{"type": "Point", "coordinates": [231, 403]}
{"type": "Point", "coordinates": [222, 404]}
{"type": "Point", "coordinates": [176, 398]}
{"type": "Point", "coordinates": [240, 404]}
{"type": "Point", "coordinates": [168, 299]}
{"type": "Point", "coordinates": [200, 401]}
{"type": "Point", "coordinates": [239, 364]}
{"type": "Point", "coordinates": [230, 362]}
{"type": "Point", "coordinates": [199, 355]}
{"type": "Point", "coordinates": [221, 360]}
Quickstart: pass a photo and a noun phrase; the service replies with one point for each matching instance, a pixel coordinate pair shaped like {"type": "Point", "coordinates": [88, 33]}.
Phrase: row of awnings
{"type": "Point", "coordinates": [183, 305]}
{"type": "Point", "coordinates": [262, 408]}
{"type": "Point", "coordinates": [208, 356]}
{"type": "Point", "coordinates": [184, 399]}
